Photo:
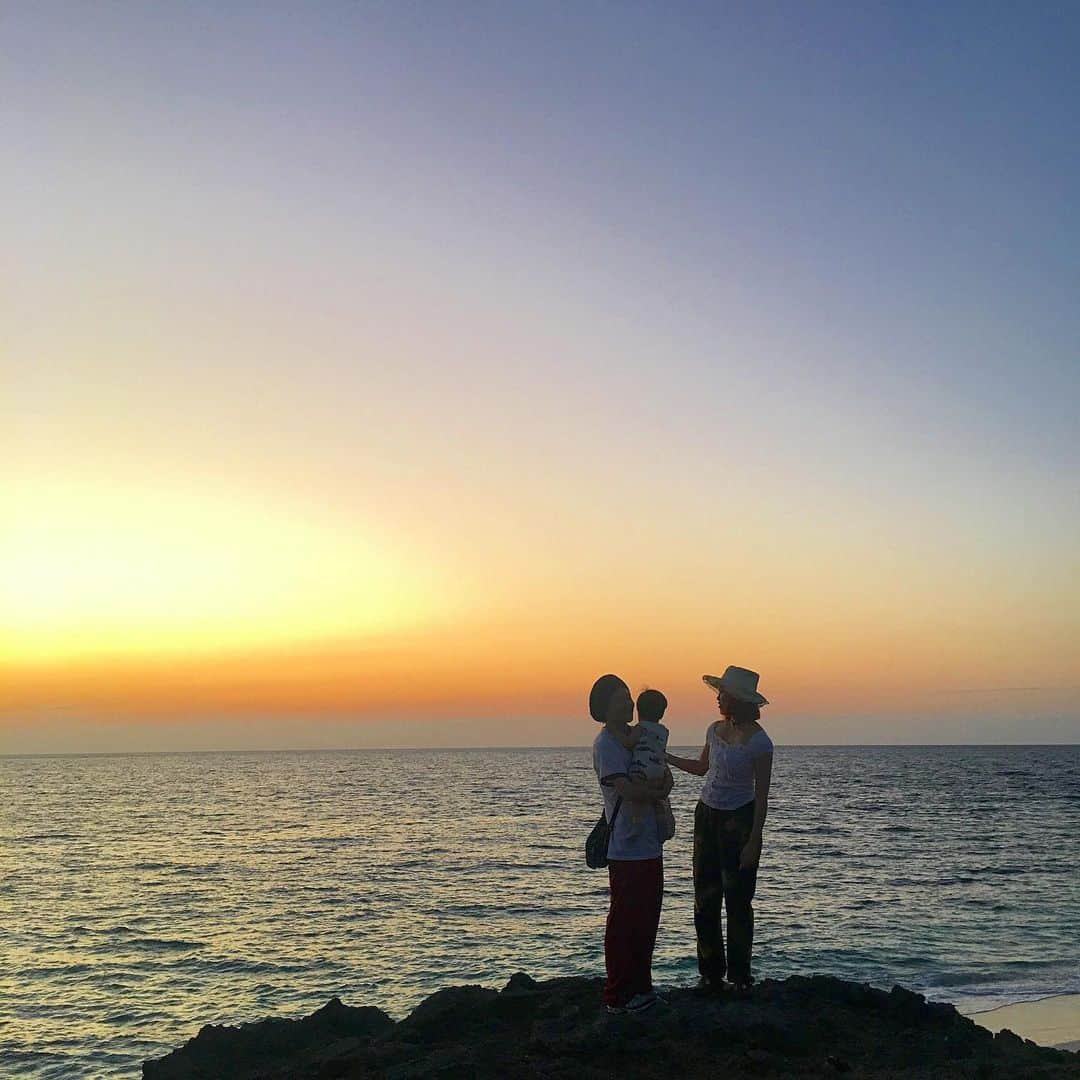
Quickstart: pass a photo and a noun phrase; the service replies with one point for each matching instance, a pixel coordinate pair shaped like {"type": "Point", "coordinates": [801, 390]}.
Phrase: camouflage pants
{"type": "Point", "coordinates": [719, 884]}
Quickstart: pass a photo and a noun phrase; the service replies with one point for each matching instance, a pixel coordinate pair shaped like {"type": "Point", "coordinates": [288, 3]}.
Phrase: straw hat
{"type": "Point", "coordinates": [739, 682]}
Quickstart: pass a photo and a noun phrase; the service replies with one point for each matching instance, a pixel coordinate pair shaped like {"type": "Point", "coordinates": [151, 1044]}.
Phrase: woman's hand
{"type": "Point", "coordinates": [698, 766]}
{"type": "Point", "coordinates": [751, 853]}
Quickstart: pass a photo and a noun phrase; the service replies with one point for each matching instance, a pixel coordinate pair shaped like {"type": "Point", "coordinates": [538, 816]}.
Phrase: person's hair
{"type": "Point", "coordinates": [742, 712]}
{"type": "Point", "coordinates": [600, 696]}
{"type": "Point", "coordinates": [651, 705]}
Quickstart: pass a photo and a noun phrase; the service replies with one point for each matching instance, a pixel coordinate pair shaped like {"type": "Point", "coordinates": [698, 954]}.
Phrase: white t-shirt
{"type": "Point", "coordinates": [636, 834]}
{"type": "Point", "coordinates": [729, 783]}
{"type": "Point", "coordinates": [650, 762]}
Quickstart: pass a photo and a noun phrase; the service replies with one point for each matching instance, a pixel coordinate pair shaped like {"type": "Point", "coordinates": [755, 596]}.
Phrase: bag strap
{"type": "Point", "coordinates": [615, 813]}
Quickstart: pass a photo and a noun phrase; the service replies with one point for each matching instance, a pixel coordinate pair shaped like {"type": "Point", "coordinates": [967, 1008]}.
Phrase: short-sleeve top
{"type": "Point", "coordinates": [729, 783]}
{"type": "Point", "coordinates": [636, 834]}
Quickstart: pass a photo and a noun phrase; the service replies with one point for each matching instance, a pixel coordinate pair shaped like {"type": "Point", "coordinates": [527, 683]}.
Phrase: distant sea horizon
{"type": "Point", "coordinates": [404, 749]}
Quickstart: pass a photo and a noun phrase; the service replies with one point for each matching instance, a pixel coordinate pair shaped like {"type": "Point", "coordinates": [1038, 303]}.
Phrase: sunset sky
{"type": "Point", "coordinates": [380, 374]}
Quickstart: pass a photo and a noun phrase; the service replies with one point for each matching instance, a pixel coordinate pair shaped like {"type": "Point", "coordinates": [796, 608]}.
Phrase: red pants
{"type": "Point", "coordinates": [637, 892]}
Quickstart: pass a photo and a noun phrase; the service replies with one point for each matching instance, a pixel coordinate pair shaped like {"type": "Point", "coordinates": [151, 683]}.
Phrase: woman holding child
{"type": "Point", "coordinates": [736, 762]}
{"type": "Point", "coordinates": [635, 850]}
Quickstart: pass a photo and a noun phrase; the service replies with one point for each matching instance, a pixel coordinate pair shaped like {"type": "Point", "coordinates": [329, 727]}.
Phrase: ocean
{"type": "Point", "coordinates": [142, 896]}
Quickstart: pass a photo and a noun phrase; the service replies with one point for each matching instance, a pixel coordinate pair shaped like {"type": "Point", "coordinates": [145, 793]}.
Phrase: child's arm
{"type": "Point", "coordinates": [649, 791]}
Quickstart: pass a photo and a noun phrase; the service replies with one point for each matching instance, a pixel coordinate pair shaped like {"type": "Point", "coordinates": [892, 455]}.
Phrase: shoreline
{"type": "Point", "coordinates": [1052, 1021]}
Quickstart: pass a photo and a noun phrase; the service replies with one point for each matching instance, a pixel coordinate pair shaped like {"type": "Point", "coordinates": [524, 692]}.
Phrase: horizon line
{"type": "Point", "coordinates": [483, 749]}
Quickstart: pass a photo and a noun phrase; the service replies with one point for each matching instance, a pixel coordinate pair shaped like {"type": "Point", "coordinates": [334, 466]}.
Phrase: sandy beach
{"type": "Point", "coordinates": [1053, 1021]}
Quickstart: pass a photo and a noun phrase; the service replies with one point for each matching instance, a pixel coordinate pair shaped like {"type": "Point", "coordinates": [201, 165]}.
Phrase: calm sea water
{"type": "Point", "coordinates": [142, 896]}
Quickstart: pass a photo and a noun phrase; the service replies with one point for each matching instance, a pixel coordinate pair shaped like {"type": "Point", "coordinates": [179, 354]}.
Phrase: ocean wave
{"type": "Point", "coordinates": [154, 944]}
{"type": "Point", "coordinates": [250, 967]}
{"type": "Point", "coordinates": [28, 838]}
{"type": "Point", "coordinates": [19, 1058]}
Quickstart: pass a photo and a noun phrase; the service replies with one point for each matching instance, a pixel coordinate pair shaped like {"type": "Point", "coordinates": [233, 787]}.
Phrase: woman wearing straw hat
{"type": "Point", "coordinates": [736, 762]}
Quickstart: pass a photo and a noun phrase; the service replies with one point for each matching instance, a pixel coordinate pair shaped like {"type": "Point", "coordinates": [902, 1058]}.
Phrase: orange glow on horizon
{"type": "Point", "coordinates": [92, 573]}
{"type": "Point", "coordinates": [129, 599]}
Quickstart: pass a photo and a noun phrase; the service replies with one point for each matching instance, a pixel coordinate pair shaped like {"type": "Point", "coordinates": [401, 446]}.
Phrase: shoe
{"type": "Point", "coordinates": [615, 1010]}
{"type": "Point", "coordinates": [743, 987]}
{"type": "Point", "coordinates": [640, 1002]}
{"type": "Point", "coordinates": [705, 985]}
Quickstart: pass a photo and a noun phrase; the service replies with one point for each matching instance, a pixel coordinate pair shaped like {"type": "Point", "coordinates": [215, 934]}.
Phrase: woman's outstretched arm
{"type": "Point", "coordinates": [698, 766]}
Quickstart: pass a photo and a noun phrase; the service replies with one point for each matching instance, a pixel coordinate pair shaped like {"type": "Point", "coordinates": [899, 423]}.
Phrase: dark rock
{"type": "Point", "coordinates": [220, 1050]}
{"type": "Point", "coordinates": [903, 998]}
{"type": "Point", "coordinates": [825, 1029]}
{"type": "Point", "coordinates": [520, 983]}
{"type": "Point", "coordinates": [447, 1014]}
{"type": "Point", "coordinates": [558, 1030]}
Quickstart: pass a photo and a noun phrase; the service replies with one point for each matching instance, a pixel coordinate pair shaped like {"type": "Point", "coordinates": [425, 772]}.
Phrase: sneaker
{"type": "Point", "coordinates": [640, 1002]}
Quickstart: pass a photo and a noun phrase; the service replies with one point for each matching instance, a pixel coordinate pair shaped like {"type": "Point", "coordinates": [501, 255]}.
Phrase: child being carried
{"type": "Point", "coordinates": [648, 740]}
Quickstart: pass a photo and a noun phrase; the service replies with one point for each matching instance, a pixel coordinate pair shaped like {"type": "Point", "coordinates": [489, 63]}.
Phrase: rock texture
{"type": "Point", "coordinates": [801, 1027]}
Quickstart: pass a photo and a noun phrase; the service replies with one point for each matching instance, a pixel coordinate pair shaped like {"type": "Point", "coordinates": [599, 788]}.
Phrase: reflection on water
{"type": "Point", "coordinates": [142, 896]}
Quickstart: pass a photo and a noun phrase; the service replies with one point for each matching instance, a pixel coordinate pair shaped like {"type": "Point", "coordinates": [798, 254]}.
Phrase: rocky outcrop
{"type": "Point", "coordinates": [801, 1027]}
